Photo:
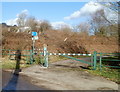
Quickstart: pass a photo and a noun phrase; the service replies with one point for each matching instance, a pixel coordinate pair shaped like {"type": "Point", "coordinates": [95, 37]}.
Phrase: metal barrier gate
{"type": "Point", "coordinates": [68, 55]}
{"type": "Point", "coordinates": [97, 59]}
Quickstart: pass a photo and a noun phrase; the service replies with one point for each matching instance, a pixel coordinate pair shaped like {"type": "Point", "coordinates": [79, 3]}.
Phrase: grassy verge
{"type": "Point", "coordinates": [108, 73]}
{"type": "Point", "coordinates": [11, 64]}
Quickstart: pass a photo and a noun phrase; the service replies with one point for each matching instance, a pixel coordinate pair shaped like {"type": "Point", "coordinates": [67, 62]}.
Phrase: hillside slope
{"type": "Point", "coordinates": [59, 41]}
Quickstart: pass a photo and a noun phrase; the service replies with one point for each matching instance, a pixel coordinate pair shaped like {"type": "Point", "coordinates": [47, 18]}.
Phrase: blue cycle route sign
{"type": "Point", "coordinates": [34, 33]}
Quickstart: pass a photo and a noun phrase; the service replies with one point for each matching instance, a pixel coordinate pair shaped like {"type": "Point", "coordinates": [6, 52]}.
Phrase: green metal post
{"type": "Point", "coordinates": [95, 60]}
{"type": "Point", "coordinates": [31, 57]}
{"type": "Point", "coordinates": [100, 61]}
{"type": "Point", "coordinates": [45, 56]}
{"type": "Point", "coordinates": [92, 59]}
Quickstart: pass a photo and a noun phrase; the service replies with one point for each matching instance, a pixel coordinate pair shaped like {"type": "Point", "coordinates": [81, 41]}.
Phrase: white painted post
{"type": "Point", "coordinates": [45, 56]}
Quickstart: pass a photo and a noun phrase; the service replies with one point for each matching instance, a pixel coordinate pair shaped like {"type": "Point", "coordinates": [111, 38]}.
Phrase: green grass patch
{"type": "Point", "coordinates": [38, 60]}
{"type": "Point", "coordinates": [11, 64]}
{"type": "Point", "coordinates": [108, 73]}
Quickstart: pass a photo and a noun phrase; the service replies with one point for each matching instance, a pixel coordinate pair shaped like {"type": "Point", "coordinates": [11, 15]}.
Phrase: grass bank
{"type": "Point", "coordinates": [108, 73]}
{"type": "Point", "coordinates": [11, 64]}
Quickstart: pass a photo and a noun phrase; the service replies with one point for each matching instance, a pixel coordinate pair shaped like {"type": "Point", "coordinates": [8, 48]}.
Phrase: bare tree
{"type": "Point", "coordinates": [21, 19]}
{"type": "Point", "coordinates": [114, 7]}
{"type": "Point", "coordinates": [83, 28]}
{"type": "Point", "coordinates": [32, 23]}
{"type": "Point", "coordinates": [45, 25]}
{"type": "Point", "coordinates": [65, 28]}
{"type": "Point", "coordinates": [98, 23]}
{"type": "Point", "coordinates": [102, 26]}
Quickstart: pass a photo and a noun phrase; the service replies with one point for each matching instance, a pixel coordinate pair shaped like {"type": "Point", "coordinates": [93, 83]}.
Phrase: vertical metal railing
{"type": "Point", "coordinates": [45, 54]}
{"type": "Point", "coordinates": [108, 57]}
{"type": "Point", "coordinates": [100, 61]}
{"type": "Point", "coordinates": [94, 60]}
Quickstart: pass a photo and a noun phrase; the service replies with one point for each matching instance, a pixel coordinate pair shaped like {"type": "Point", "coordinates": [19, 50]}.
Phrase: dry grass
{"type": "Point", "coordinates": [74, 43]}
{"type": "Point", "coordinates": [11, 64]}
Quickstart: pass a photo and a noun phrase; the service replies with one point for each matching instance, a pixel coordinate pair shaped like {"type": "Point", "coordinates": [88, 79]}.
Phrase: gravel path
{"type": "Point", "coordinates": [14, 82]}
{"type": "Point", "coordinates": [67, 75]}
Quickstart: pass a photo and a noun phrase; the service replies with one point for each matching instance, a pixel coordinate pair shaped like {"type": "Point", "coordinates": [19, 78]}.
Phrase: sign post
{"type": "Point", "coordinates": [34, 37]}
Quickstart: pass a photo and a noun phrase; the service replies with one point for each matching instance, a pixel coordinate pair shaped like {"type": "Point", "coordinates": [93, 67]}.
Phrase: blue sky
{"type": "Point", "coordinates": [51, 11]}
{"type": "Point", "coordinates": [69, 13]}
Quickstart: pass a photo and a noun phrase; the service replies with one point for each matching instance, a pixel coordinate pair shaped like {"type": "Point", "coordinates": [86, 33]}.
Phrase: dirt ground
{"type": "Point", "coordinates": [67, 75]}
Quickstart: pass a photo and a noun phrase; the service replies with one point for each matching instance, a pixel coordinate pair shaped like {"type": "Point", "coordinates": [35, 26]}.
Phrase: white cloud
{"type": "Point", "coordinates": [59, 25]}
{"type": "Point", "coordinates": [14, 21]}
{"type": "Point", "coordinates": [89, 8]}
{"type": "Point", "coordinates": [26, 12]}
{"type": "Point", "coordinates": [11, 22]}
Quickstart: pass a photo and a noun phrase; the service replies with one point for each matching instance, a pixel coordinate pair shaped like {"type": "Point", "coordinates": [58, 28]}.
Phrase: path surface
{"type": "Point", "coordinates": [17, 82]}
{"type": "Point", "coordinates": [67, 75]}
